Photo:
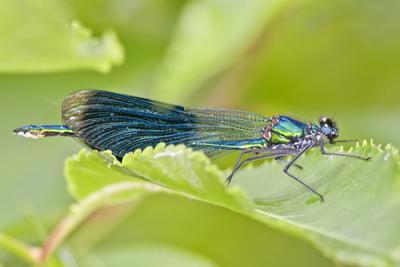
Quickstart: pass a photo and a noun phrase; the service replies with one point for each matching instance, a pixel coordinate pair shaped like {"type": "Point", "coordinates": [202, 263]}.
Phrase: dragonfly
{"type": "Point", "coordinates": [122, 123]}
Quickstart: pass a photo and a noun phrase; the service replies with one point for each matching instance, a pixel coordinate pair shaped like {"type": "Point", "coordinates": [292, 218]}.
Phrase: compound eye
{"type": "Point", "coordinates": [323, 121]}
{"type": "Point", "coordinates": [326, 122]}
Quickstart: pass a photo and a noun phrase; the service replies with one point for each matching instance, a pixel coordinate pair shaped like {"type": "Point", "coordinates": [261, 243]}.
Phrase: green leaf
{"type": "Point", "coordinates": [16, 247]}
{"type": "Point", "coordinates": [359, 221]}
{"type": "Point", "coordinates": [112, 220]}
{"type": "Point", "coordinates": [189, 174]}
{"type": "Point", "coordinates": [90, 171]}
{"type": "Point", "coordinates": [356, 225]}
{"type": "Point", "coordinates": [108, 196]}
{"type": "Point", "coordinates": [211, 35]}
{"type": "Point", "coordinates": [351, 226]}
{"type": "Point", "coordinates": [181, 169]}
{"type": "Point", "coordinates": [146, 254]}
{"type": "Point", "coordinates": [176, 167]}
{"type": "Point", "coordinates": [48, 39]}
{"type": "Point", "coordinates": [195, 227]}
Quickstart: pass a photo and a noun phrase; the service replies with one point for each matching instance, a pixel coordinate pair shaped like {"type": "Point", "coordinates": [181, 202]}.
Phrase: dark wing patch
{"type": "Point", "coordinates": [121, 123]}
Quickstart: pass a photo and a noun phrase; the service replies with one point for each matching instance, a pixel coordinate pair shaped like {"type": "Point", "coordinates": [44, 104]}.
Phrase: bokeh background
{"type": "Point", "coordinates": [303, 59]}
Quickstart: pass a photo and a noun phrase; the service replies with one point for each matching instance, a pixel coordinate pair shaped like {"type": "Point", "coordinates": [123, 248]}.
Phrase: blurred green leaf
{"type": "Point", "coordinates": [16, 247]}
{"type": "Point", "coordinates": [210, 36]}
{"type": "Point", "coordinates": [36, 98]}
{"type": "Point", "coordinates": [107, 196]}
{"type": "Point", "coordinates": [48, 39]}
{"type": "Point", "coordinates": [147, 254]}
{"type": "Point", "coordinates": [331, 55]}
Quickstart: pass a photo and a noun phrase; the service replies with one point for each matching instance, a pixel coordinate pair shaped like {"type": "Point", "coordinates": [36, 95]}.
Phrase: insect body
{"type": "Point", "coordinates": [121, 123]}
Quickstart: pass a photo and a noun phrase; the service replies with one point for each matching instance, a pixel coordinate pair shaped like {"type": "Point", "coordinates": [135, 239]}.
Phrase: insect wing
{"type": "Point", "coordinates": [122, 123]}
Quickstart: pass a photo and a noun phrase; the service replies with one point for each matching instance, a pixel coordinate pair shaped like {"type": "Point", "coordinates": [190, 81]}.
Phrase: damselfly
{"type": "Point", "coordinates": [122, 123]}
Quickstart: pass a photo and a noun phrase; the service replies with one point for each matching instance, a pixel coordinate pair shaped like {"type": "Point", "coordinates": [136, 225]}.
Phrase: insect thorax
{"type": "Point", "coordinates": [283, 130]}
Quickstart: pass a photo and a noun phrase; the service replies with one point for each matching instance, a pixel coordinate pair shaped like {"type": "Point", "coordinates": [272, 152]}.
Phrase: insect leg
{"type": "Point", "coordinates": [237, 166]}
{"type": "Point", "coordinates": [343, 141]}
{"type": "Point", "coordinates": [286, 171]}
{"type": "Point", "coordinates": [239, 163]}
{"type": "Point", "coordinates": [324, 152]}
{"type": "Point", "coordinates": [282, 159]}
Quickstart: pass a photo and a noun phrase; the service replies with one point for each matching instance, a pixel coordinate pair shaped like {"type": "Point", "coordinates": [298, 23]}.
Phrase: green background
{"type": "Point", "coordinates": [307, 59]}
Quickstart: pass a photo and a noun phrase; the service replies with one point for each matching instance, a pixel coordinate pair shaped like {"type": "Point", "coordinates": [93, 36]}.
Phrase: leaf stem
{"type": "Point", "coordinates": [19, 249]}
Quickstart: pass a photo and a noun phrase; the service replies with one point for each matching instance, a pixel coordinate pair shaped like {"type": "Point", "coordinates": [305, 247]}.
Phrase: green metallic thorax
{"type": "Point", "coordinates": [286, 129]}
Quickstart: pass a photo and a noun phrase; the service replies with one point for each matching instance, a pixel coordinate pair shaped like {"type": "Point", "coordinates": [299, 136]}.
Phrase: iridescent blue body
{"type": "Point", "coordinates": [122, 123]}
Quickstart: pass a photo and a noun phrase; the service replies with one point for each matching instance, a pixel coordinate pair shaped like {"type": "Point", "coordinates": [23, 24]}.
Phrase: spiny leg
{"type": "Point", "coordinates": [324, 152]}
{"type": "Point", "coordinates": [286, 170]}
{"type": "Point", "coordinates": [239, 163]}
